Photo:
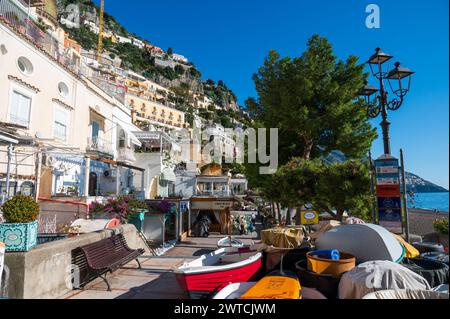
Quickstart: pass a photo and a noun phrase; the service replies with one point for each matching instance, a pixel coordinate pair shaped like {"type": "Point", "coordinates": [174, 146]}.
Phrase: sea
{"type": "Point", "coordinates": [438, 201]}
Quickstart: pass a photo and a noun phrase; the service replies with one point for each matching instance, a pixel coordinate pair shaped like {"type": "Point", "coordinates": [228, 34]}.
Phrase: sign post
{"type": "Point", "coordinates": [2, 260]}
{"type": "Point", "coordinates": [404, 191]}
{"type": "Point", "coordinates": [389, 194]}
{"type": "Point", "coordinates": [309, 218]}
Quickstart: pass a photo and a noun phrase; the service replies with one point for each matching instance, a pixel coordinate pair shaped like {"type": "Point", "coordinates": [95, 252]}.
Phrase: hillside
{"type": "Point", "coordinates": [417, 184]}
{"type": "Point", "coordinates": [160, 68]}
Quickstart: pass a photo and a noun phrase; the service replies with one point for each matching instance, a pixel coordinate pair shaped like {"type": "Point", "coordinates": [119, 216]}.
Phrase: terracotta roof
{"type": "Point", "coordinates": [23, 83]}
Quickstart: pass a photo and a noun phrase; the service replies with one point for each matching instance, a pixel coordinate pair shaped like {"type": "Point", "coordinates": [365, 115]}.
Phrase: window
{"type": "Point", "coordinates": [20, 109]}
{"type": "Point", "coordinates": [63, 89]}
{"type": "Point", "coordinates": [95, 129]}
{"type": "Point", "coordinates": [61, 124]}
{"type": "Point", "coordinates": [121, 139]}
{"type": "Point", "coordinates": [25, 65]}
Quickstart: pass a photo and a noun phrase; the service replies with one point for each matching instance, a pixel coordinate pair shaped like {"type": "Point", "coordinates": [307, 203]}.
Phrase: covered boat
{"type": "Point", "coordinates": [379, 275]}
{"type": "Point", "coordinates": [210, 273]}
{"type": "Point", "coordinates": [366, 242]}
{"type": "Point", "coordinates": [406, 294]}
{"type": "Point", "coordinates": [277, 285]}
{"type": "Point", "coordinates": [235, 291]}
{"type": "Point", "coordinates": [230, 242]}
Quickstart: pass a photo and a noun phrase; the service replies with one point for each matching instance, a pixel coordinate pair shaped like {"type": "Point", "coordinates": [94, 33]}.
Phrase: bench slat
{"type": "Point", "coordinates": [108, 255]}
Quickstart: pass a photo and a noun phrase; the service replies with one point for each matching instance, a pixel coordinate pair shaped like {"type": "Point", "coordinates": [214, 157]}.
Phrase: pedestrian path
{"type": "Point", "coordinates": [156, 279]}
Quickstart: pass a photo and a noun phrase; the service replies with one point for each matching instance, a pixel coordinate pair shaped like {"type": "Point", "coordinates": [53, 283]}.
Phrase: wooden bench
{"type": "Point", "coordinates": [108, 255]}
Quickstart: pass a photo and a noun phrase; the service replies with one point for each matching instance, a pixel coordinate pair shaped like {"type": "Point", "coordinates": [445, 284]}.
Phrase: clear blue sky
{"type": "Point", "coordinates": [228, 40]}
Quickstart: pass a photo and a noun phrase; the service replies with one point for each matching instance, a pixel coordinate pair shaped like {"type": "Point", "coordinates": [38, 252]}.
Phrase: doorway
{"type": "Point", "coordinates": [93, 181]}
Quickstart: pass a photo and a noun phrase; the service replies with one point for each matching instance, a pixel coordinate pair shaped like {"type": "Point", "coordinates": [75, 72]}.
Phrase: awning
{"type": "Point", "coordinates": [68, 158]}
{"type": "Point", "coordinates": [168, 175]}
{"type": "Point", "coordinates": [129, 130]}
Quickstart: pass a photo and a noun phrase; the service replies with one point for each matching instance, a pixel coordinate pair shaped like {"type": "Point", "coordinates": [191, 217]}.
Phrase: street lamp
{"type": "Point", "coordinates": [380, 103]}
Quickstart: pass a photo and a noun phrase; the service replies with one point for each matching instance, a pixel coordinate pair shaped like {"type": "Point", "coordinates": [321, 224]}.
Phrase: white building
{"type": "Point", "coordinates": [92, 26]}
{"type": "Point", "coordinates": [138, 43]}
{"type": "Point", "coordinates": [121, 39]}
{"type": "Point", "coordinates": [179, 58]}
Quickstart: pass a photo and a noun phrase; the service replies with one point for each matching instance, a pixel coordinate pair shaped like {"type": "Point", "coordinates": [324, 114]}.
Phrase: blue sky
{"type": "Point", "coordinates": [228, 40]}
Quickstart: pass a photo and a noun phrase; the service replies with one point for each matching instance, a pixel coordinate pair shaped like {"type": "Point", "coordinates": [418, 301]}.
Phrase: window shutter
{"type": "Point", "coordinates": [20, 109]}
{"type": "Point", "coordinates": [60, 116]}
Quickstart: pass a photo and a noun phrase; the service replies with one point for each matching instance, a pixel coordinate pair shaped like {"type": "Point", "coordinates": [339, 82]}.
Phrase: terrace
{"type": "Point", "coordinates": [16, 15]}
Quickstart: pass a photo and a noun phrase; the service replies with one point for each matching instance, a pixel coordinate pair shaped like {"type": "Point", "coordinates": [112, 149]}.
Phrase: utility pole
{"type": "Point", "coordinates": [8, 170]}
{"type": "Point", "coordinates": [405, 203]}
{"type": "Point", "coordinates": [372, 188]}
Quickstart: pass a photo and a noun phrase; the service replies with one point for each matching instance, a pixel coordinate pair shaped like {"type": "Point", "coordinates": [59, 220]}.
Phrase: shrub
{"type": "Point", "coordinates": [121, 208]}
{"type": "Point", "coordinates": [20, 209]}
{"type": "Point", "coordinates": [441, 226]}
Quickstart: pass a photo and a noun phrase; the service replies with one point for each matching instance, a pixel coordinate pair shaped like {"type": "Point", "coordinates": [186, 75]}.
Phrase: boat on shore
{"type": "Point", "coordinates": [230, 242]}
{"type": "Point", "coordinates": [276, 285]}
{"type": "Point", "coordinates": [208, 274]}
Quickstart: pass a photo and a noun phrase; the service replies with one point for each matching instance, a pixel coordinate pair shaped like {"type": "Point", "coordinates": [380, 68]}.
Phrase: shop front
{"type": "Point", "coordinates": [216, 210]}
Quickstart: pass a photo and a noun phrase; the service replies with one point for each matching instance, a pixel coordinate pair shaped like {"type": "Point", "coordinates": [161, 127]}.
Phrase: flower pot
{"type": "Point", "coordinates": [19, 237]}
{"type": "Point", "coordinates": [335, 268]}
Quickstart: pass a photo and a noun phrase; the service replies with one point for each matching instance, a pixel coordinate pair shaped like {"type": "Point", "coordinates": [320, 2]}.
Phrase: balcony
{"type": "Point", "coordinates": [15, 15]}
{"type": "Point", "coordinates": [126, 155]}
{"type": "Point", "coordinates": [213, 193]}
{"type": "Point", "coordinates": [101, 146]}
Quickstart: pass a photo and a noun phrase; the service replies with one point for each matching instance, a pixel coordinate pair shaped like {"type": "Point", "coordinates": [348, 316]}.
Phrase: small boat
{"type": "Point", "coordinates": [277, 285]}
{"type": "Point", "coordinates": [407, 294]}
{"type": "Point", "coordinates": [230, 242]}
{"type": "Point", "coordinates": [235, 291]}
{"type": "Point", "coordinates": [210, 273]}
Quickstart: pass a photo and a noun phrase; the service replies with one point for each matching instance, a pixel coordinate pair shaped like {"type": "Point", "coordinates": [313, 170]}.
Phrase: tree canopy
{"type": "Point", "coordinates": [312, 100]}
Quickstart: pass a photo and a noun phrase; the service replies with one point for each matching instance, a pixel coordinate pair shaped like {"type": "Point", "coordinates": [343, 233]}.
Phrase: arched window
{"type": "Point", "coordinates": [121, 139]}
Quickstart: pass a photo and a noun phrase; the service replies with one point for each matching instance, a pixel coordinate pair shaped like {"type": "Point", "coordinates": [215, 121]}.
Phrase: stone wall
{"type": "Point", "coordinates": [44, 272]}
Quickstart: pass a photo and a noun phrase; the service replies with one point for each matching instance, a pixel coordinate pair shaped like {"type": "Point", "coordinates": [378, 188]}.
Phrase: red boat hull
{"type": "Point", "coordinates": [204, 285]}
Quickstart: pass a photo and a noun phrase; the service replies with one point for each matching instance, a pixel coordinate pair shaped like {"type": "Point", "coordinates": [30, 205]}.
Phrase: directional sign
{"type": "Point", "coordinates": [388, 190]}
{"type": "Point", "coordinates": [309, 218]}
{"type": "Point", "coordinates": [389, 194]}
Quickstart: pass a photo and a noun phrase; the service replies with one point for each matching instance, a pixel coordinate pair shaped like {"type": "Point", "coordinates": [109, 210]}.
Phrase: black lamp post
{"type": "Point", "coordinates": [381, 103]}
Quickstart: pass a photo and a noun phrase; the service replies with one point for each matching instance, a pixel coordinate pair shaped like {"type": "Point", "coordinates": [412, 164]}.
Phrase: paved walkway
{"type": "Point", "coordinates": [156, 279]}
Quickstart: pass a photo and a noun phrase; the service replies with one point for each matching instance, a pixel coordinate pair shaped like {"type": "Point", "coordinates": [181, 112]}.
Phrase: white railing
{"type": "Point", "coordinates": [96, 144]}
{"type": "Point", "coordinates": [213, 193]}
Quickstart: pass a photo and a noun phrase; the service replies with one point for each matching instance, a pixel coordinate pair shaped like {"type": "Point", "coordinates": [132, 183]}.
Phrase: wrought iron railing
{"type": "Point", "coordinates": [96, 144]}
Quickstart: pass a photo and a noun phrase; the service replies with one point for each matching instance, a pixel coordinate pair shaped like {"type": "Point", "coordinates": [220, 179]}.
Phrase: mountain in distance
{"type": "Point", "coordinates": [417, 184]}
{"type": "Point", "coordinates": [414, 183]}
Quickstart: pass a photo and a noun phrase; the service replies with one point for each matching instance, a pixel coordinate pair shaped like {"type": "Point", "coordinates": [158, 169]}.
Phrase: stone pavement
{"type": "Point", "coordinates": [156, 279]}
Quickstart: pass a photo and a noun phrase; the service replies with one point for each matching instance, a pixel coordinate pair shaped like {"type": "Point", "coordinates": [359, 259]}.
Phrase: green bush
{"type": "Point", "coordinates": [20, 209]}
{"type": "Point", "coordinates": [441, 226]}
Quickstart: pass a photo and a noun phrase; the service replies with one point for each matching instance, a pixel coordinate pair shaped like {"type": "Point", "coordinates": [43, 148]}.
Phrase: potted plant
{"type": "Point", "coordinates": [20, 231]}
{"type": "Point", "coordinates": [441, 227]}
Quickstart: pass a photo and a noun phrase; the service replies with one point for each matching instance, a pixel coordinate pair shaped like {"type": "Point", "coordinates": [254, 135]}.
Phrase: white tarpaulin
{"type": "Point", "coordinates": [366, 242]}
{"type": "Point", "coordinates": [379, 275]}
{"type": "Point", "coordinates": [407, 294]}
